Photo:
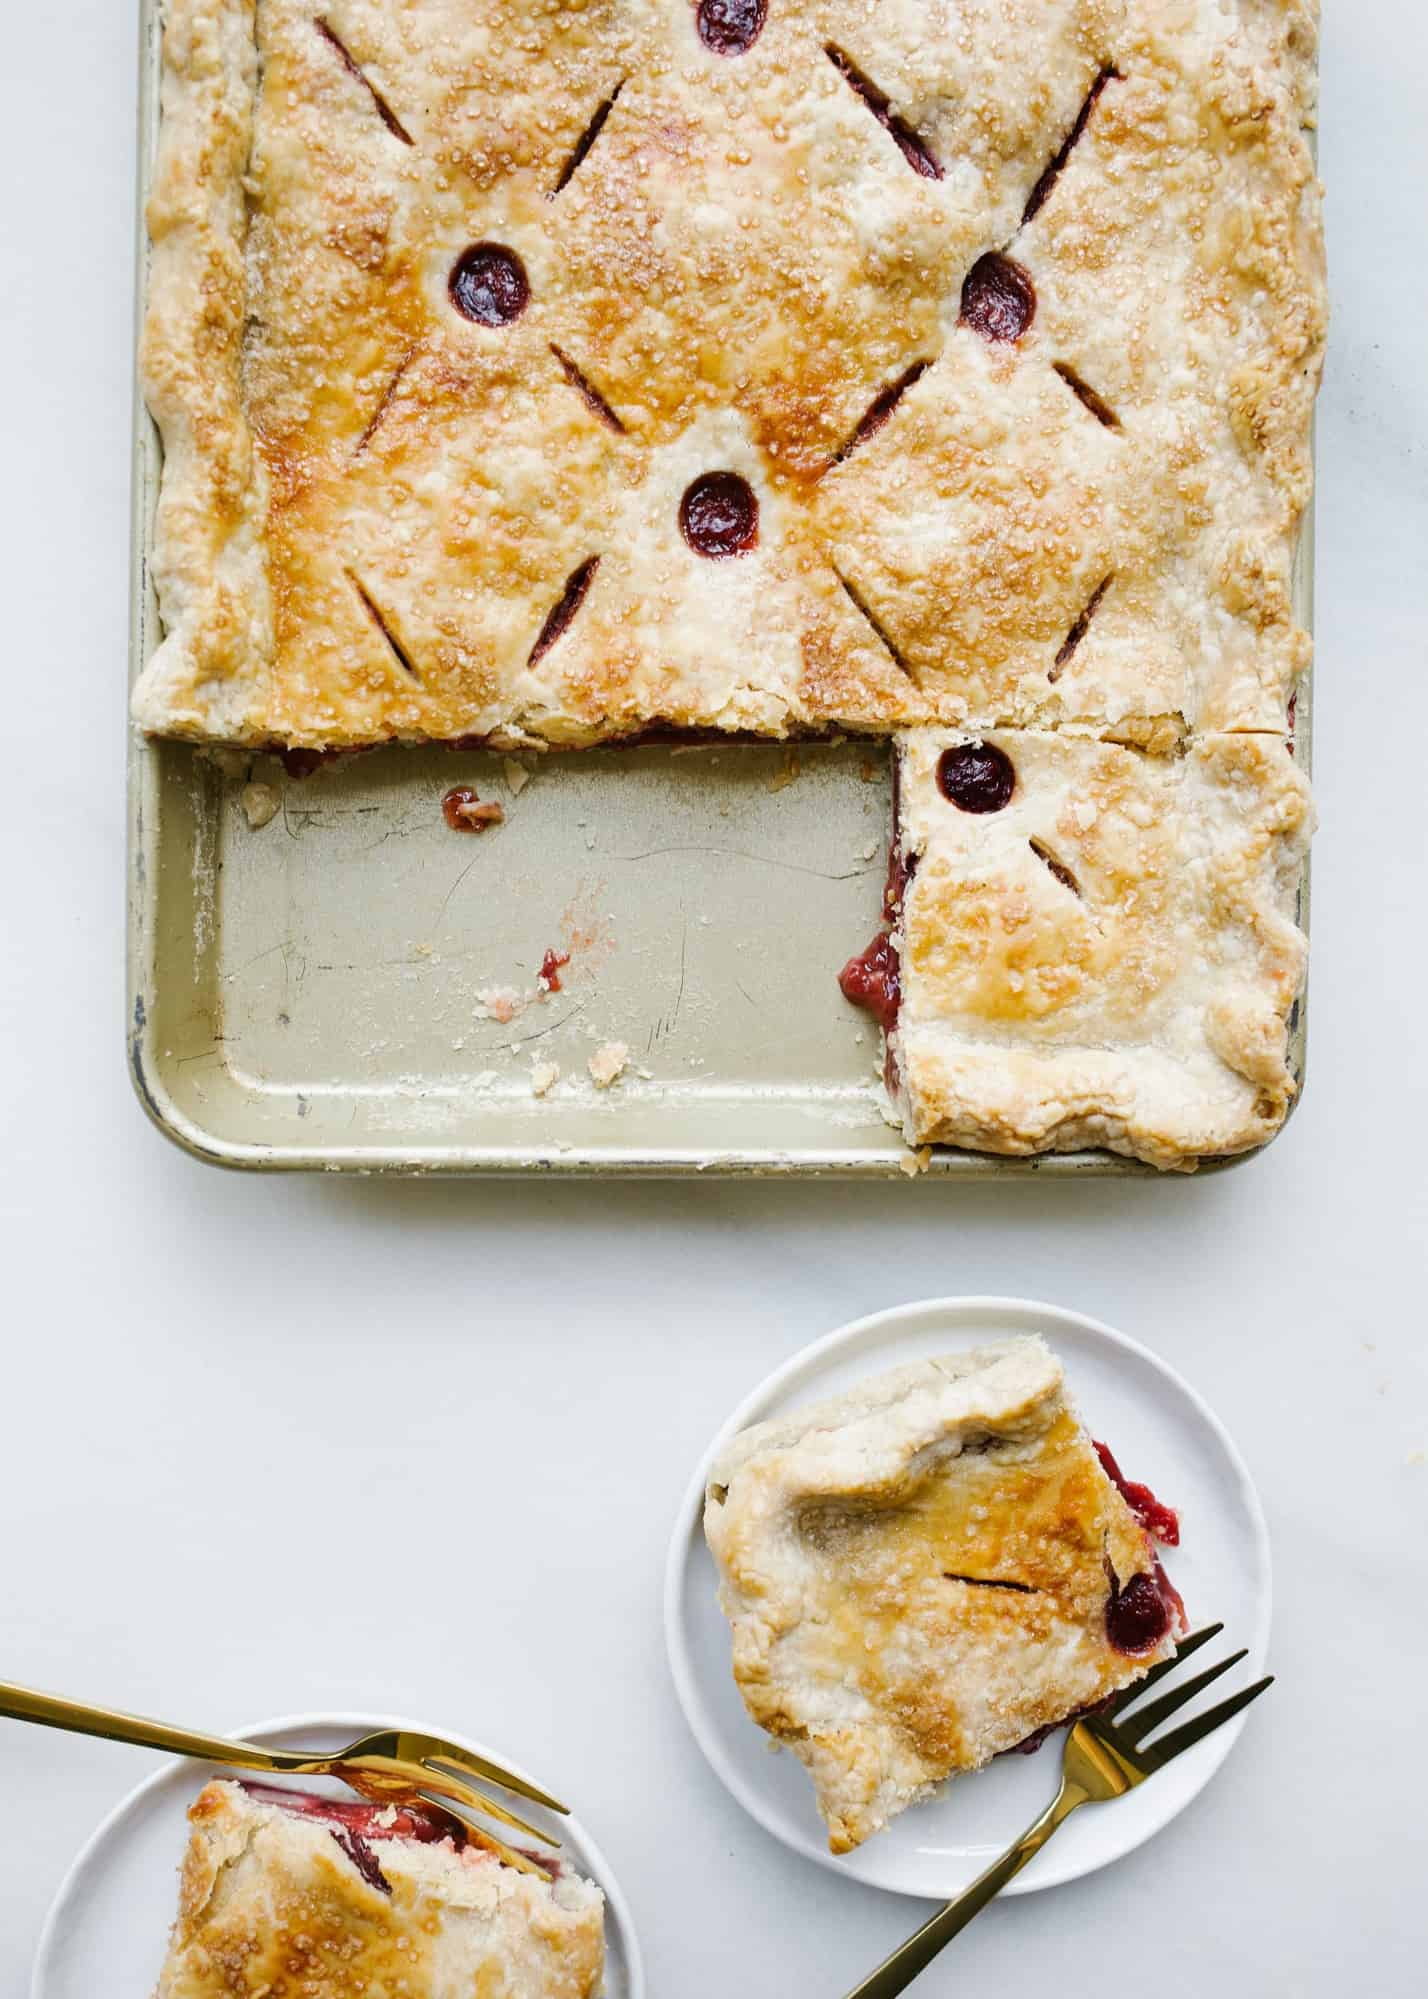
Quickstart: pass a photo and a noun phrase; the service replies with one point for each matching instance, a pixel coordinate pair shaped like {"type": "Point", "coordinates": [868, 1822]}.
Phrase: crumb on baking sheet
{"type": "Point", "coordinates": [913, 1163]}
{"type": "Point", "coordinates": [464, 812]}
{"type": "Point", "coordinates": [516, 775]}
{"type": "Point", "coordinates": [501, 1003]}
{"type": "Point", "coordinates": [544, 1077]}
{"type": "Point", "coordinates": [260, 804]}
{"type": "Point", "coordinates": [787, 771]}
{"type": "Point", "coordinates": [551, 966]}
{"type": "Point", "coordinates": [608, 1064]}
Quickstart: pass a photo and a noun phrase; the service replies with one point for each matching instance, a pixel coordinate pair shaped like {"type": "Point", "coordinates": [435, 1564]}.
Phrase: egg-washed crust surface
{"type": "Point", "coordinates": [273, 1906]}
{"type": "Point", "coordinates": [1112, 958]}
{"type": "Point", "coordinates": [371, 506]}
{"type": "Point", "coordinates": [917, 1573]}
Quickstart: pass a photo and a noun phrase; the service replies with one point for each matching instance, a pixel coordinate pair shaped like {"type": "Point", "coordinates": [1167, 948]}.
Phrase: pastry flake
{"type": "Point", "coordinates": [926, 1572]}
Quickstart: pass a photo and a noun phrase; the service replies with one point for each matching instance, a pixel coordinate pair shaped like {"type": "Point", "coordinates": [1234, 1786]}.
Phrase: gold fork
{"type": "Point", "coordinates": [387, 1766]}
{"type": "Point", "coordinates": [1106, 1756]}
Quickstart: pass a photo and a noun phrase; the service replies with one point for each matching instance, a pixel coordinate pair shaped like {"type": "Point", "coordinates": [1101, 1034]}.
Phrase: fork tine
{"type": "Point", "coordinates": [1182, 1651]}
{"type": "Point", "coordinates": [508, 1854]}
{"type": "Point", "coordinates": [1135, 1727]}
{"type": "Point", "coordinates": [477, 1801]}
{"type": "Point", "coordinates": [1157, 1754]}
{"type": "Point", "coordinates": [465, 1794]}
{"type": "Point", "coordinates": [492, 1773]}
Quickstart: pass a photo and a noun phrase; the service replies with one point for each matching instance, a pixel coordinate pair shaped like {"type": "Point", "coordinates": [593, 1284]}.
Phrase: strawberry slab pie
{"type": "Point", "coordinates": [934, 1568]}
{"type": "Point", "coordinates": [285, 1895]}
{"type": "Point", "coordinates": [538, 375]}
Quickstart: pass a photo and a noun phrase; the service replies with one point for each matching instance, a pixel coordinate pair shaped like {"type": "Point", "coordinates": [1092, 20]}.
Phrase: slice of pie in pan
{"type": "Point", "coordinates": [288, 1896]}
{"type": "Point", "coordinates": [927, 1571]}
{"type": "Point", "coordinates": [1091, 946]}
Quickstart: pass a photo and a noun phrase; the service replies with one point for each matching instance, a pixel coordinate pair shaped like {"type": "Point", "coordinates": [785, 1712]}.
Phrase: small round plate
{"type": "Point", "coordinates": [108, 1927]}
{"type": "Point", "coordinates": [1160, 1431]}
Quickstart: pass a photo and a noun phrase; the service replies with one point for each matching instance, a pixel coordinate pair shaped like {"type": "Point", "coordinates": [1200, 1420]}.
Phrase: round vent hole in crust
{"type": "Point", "coordinates": [719, 516]}
{"type": "Point", "coordinates": [488, 285]}
{"type": "Point", "coordinates": [728, 27]}
{"type": "Point", "coordinates": [976, 777]}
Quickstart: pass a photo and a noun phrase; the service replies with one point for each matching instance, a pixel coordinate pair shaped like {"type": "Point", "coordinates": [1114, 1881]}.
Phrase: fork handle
{"type": "Point", "coordinates": [897, 1972]}
{"type": "Point", "coordinates": [79, 1718]}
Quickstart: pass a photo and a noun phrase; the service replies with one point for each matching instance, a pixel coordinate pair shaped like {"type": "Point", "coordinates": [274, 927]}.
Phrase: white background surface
{"type": "Point", "coordinates": [272, 1444]}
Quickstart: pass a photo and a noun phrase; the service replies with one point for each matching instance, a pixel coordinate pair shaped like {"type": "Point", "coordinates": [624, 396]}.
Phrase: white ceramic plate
{"type": "Point", "coordinates": [108, 1927]}
{"type": "Point", "coordinates": [1161, 1432]}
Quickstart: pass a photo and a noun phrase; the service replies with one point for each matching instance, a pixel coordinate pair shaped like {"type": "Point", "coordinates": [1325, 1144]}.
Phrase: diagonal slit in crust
{"type": "Point", "coordinates": [1038, 196]}
{"type": "Point", "coordinates": [990, 1582]}
{"type": "Point", "coordinates": [879, 632]}
{"type": "Point", "coordinates": [581, 382]}
{"type": "Point", "coordinates": [399, 651]}
{"type": "Point", "coordinates": [389, 117]}
{"type": "Point", "coordinates": [915, 150]}
{"type": "Point", "coordinates": [880, 409]}
{"type": "Point", "coordinates": [587, 139]}
{"type": "Point", "coordinates": [562, 613]}
{"type": "Point", "coordinates": [379, 414]}
{"type": "Point", "coordinates": [1079, 630]}
{"type": "Point", "coordinates": [1059, 869]}
{"type": "Point", "coordinates": [1084, 393]}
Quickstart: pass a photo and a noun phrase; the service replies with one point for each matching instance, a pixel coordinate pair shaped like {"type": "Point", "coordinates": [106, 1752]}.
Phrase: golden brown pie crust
{"type": "Point", "coordinates": [371, 503]}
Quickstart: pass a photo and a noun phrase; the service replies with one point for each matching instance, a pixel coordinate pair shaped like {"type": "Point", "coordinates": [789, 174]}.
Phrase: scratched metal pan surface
{"type": "Point", "coordinates": [353, 987]}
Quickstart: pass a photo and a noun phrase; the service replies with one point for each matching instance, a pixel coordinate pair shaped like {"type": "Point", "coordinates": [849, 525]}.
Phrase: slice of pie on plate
{"type": "Point", "coordinates": [288, 1896]}
{"type": "Point", "coordinates": [927, 1571]}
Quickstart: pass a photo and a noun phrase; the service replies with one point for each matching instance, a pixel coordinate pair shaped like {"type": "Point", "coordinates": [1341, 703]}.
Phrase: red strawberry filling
{"type": "Point", "coordinates": [488, 285]}
{"type": "Point", "coordinates": [1160, 1521]}
{"type": "Point", "coordinates": [998, 298]}
{"type": "Point", "coordinates": [550, 969]}
{"type": "Point", "coordinates": [874, 980]}
{"type": "Point", "coordinates": [1141, 1612]}
{"type": "Point", "coordinates": [464, 812]}
{"type": "Point", "coordinates": [425, 1824]}
{"type": "Point", "coordinates": [976, 777]}
{"type": "Point", "coordinates": [358, 1825]}
{"type": "Point", "coordinates": [719, 516]}
{"type": "Point", "coordinates": [728, 27]}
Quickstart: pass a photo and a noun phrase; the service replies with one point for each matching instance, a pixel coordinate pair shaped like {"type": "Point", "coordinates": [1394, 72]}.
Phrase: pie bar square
{"type": "Point", "coordinates": [926, 1572]}
{"type": "Point", "coordinates": [1092, 946]}
{"type": "Point", "coordinates": [543, 374]}
{"type": "Point", "coordinates": [286, 1896]}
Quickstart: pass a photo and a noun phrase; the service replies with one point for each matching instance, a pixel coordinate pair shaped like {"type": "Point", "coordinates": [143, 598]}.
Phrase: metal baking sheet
{"type": "Point", "coordinates": [353, 987]}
